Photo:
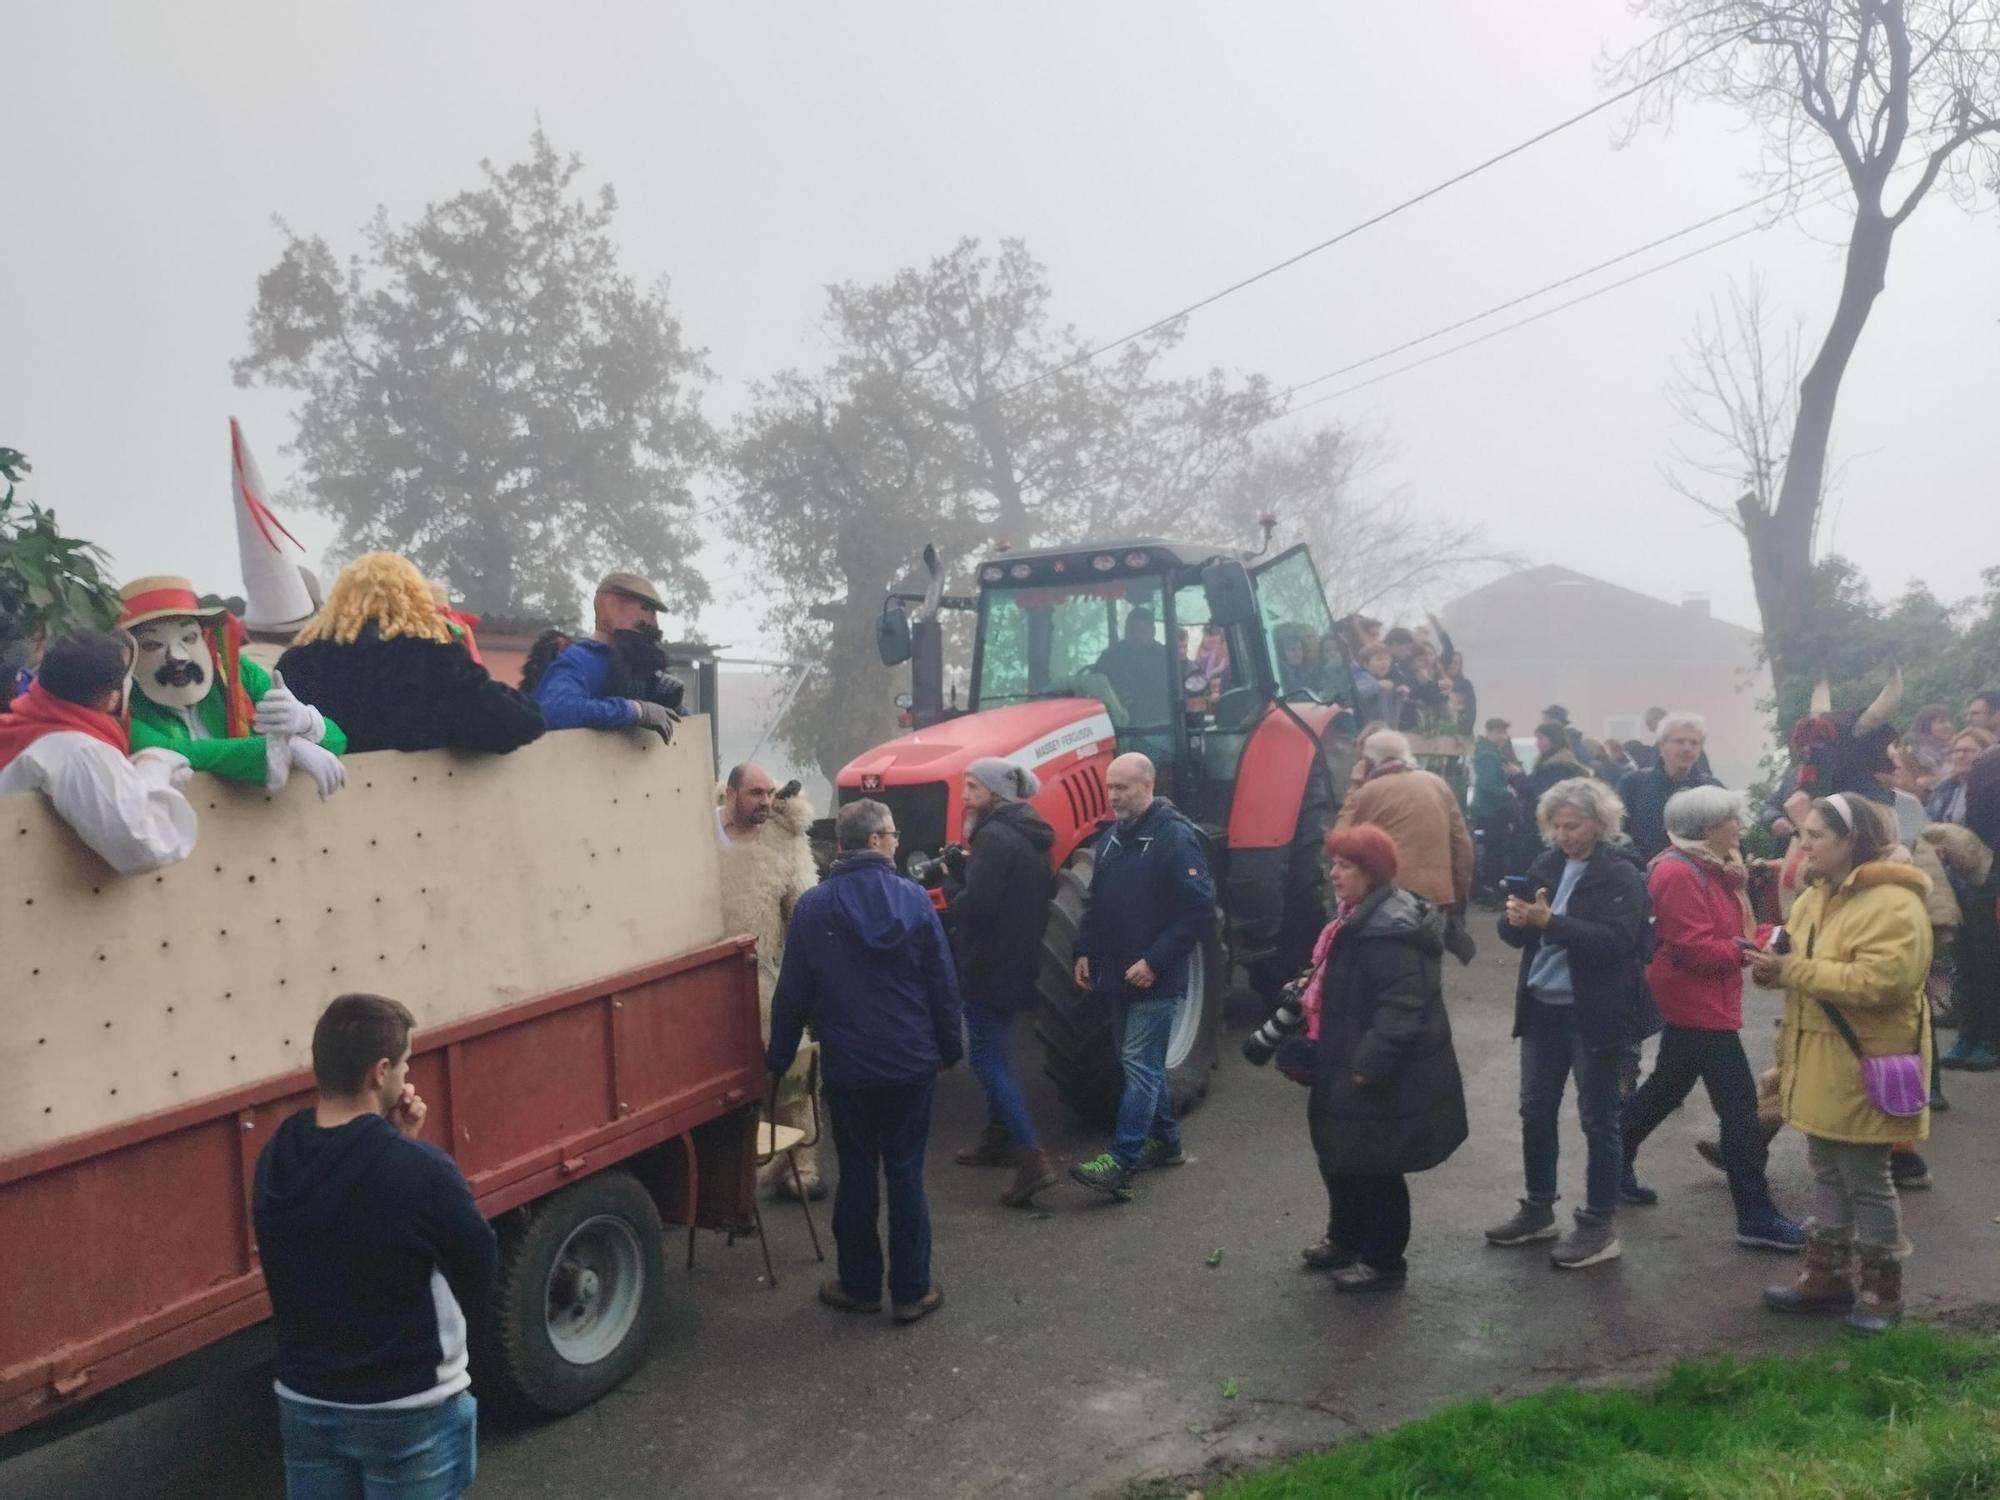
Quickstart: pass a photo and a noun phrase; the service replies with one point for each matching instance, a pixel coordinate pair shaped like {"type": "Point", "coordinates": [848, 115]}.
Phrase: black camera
{"type": "Point", "coordinates": [930, 869]}
{"type": "Point", "coordinates": [1262, 1044]}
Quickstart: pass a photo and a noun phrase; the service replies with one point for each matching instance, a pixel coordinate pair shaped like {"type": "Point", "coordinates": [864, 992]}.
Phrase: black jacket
{"type": "Point", "coordinates": [1382, 1016]}
{"type": "Point", "coordinates": [407, 694]}
{"type": "Point", "coordinates": [1000, 910]}
{"type": "Point", "coordinates": [373, 1251]}
{"type": "Point", "coordinates": [1605, 931]}
{"type": "Point", "coordinates": [1645, 795]}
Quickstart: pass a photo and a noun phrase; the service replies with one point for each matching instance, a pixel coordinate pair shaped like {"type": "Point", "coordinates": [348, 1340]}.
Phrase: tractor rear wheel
{"type": "Point", "coordinates": [1074, 1025]}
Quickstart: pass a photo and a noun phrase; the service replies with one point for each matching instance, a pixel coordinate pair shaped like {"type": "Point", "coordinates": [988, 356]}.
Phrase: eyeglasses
{"type": "Point", "coordinates": [885, 833]}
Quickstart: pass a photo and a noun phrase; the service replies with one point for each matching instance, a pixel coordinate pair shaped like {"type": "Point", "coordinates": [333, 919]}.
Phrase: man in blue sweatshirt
{"type": "Point", "coordinates": [372, 1247]}
{"type": "Point", "coordinates": [576, 691]}
{"type": "Point", "coordinates": [1151, 900]}
{"type": "Point", "coordinates": [867, 966]}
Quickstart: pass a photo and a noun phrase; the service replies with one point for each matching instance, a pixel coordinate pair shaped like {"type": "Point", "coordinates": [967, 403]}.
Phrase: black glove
{"type": "Point", "coordinates": [954, 862]}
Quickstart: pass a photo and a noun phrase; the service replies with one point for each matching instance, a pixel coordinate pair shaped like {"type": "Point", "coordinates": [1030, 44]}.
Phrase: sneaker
{"type": "Point", "coordinates": [1104, 1174]}
{"type": "Point", "coordinates": [1711, 1152]}
{"type": "Point", "coordinates": [930, 1302]}
{"type": "Point", "coordinates": [1157, 1153]}
{"type": "Point", "coordinates": [1631, 1190]}
{"type": "Point", "coordinates": [1593, 1241]}
{"type": "Point", "coordinates": [1325, 1256]}
{"type": "Point", "coordinates": [1534, 1221]}
{"type": "Point", "coordinates": [1983, 1058]}
{"type": "Point", "coordinates": [1909, 1171]}
{"type": "Point", "coordinates": [1771, 1231]}
{"type": "Point", "coordinates": [1362, 1277]}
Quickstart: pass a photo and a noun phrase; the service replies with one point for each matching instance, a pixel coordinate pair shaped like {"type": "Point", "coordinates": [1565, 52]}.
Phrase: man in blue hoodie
{"type": "Point", "coordinates": [579, 689]}
{"type": "Point", "coordinates": [1151, 899]}
{"type": "Point", "coordinates": [867, 967]}
{"type": "Point", "coordinates": [372, 1246]}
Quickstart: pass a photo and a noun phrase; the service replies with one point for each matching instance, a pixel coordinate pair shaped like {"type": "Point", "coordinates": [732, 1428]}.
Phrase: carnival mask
{"type": "Point", "coordinates": [173, 665]}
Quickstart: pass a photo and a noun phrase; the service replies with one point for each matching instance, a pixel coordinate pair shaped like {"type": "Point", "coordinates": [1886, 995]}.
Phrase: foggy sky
{"type": "Point", "coordinates": [1147, 153]}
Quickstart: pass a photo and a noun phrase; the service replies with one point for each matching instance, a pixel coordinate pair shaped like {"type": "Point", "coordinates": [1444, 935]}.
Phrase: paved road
{"type": "Point", "coordinates": [1086, 1347]}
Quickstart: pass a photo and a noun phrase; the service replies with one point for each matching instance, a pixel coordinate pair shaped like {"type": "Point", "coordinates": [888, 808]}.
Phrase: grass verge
{"type": "Point", "coordinates": [1912, 1414]}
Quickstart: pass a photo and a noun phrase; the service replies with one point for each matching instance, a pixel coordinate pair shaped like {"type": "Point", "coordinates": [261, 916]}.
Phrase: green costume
{"type": "Point", "coordinates": [239, 759]}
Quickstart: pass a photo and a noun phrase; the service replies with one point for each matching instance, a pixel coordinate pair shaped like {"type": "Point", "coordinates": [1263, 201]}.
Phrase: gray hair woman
{"type": "Point", "coordinates": [1702, 918]}
{"type": "Point", "coordinates": [1579, 919]}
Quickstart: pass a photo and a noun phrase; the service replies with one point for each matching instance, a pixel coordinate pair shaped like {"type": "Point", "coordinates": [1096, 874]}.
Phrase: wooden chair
{"type": "Point", "coordinates": [775, 1140]}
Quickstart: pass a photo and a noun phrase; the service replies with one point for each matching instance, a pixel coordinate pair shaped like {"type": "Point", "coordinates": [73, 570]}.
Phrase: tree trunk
{"type": "Point", "coordinates": [1781, 540]}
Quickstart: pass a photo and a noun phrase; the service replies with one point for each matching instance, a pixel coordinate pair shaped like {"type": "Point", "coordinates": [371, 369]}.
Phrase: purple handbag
{"type": "Point", "coordinates": [1895, 1085]}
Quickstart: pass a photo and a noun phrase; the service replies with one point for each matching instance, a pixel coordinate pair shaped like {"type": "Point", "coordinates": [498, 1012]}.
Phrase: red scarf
{"type": "Point", "coordinates": [38, 712]}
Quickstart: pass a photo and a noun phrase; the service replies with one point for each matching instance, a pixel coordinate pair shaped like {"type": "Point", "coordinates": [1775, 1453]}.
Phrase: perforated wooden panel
{"type": "Point", "coordinates": [453, 883]}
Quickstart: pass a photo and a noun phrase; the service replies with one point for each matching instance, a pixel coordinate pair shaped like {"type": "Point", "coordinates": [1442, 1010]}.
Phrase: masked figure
{"type": "Point", "coordinates": [199, 696]}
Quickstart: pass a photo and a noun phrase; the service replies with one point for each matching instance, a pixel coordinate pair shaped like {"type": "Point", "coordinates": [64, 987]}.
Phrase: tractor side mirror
{"type": "Point", "coordinates": [892, 635]}
{"type": "Point", "coordinates": [1231, 600]}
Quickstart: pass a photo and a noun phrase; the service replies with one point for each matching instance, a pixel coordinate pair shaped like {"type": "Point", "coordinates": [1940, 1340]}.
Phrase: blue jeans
{"type": "Point", "coordinates": [881, 1132]}
{"type": "Point", "coordinates": [988, 1046]}
{"type": "Point", "coordinates": [1141, 1029]}
{"type": "Point", "coordinates": [338, 1453]}
{"type": "Point", "coordinates": [1552, 1049]}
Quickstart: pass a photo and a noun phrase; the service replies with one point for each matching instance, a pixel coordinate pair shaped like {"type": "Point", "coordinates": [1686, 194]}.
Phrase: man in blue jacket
{"type": "Point", "coordinates": [372, 1247]}
{"type": "Point", "coordinates": [1151, 900]}
{"type": "Point", "coordinates": [868, 968]}
{"type": "Point", "coordinates": [575, 692]}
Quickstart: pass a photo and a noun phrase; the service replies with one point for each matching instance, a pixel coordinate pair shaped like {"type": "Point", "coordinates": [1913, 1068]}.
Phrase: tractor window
{"type": "Point", "coordinates": [1204, 648]}
{"type": "Point", "coordinates": [1299, 625]}
{"type": "Point", "coordinates": [1034, 642]}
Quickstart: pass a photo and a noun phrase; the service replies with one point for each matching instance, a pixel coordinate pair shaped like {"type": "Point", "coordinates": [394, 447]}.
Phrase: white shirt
{"type": "Point", "coordinates": [129, 809]}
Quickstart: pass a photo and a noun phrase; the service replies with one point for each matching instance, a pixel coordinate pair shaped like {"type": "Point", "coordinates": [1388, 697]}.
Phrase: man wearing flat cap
{"type": "Point", "coordinates": [594, 684]}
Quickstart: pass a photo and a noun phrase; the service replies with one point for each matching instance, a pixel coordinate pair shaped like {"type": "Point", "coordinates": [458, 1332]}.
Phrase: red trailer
{"type": "Point", "coordinates": [585, 1115]}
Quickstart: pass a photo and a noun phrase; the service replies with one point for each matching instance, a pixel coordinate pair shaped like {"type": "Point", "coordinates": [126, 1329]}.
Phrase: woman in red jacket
{"type": "Point", "coordinates": [1702, 919]}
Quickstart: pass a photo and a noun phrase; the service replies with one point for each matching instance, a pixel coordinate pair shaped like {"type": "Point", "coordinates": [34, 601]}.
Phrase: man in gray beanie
{"type": "Point", "coordinates": [999, 903]}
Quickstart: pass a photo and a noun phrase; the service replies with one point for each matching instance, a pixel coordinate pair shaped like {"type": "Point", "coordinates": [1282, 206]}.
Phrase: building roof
{"type": "Point", "coordinates": [1534, 593]}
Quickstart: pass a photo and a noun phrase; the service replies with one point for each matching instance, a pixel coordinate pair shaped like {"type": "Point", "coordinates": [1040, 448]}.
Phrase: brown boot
{"type": "Point", "coordinates": [1880, 1303]}
{"type": "Point", "coordinates": [1826, 1278]}
{"type": "Point", "coordinates": [994, 1149]}
{"type": "Point", "coordinates": [1034, 1173]}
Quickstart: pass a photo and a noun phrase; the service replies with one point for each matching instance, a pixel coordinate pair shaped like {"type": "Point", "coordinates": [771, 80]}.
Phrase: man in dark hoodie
{"type": "Point", "coordinates": [371, 1246]}
{"type": "Point", "coordinates": [868, 967]}
{"type": "Point", "coordinates": [1151, 899]}
{"type": "Point", "coordinates": [999, 913]}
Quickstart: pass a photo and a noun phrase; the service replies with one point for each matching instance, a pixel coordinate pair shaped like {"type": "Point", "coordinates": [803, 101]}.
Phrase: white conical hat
{"type": "Point", "coordinates": [274, 587]}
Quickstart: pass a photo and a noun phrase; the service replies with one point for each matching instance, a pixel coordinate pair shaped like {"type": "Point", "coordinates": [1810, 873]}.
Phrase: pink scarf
{"type": "Point", "coordinates": [1310, 1001]}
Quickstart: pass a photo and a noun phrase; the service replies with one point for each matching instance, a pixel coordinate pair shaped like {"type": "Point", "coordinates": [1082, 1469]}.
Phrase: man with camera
{"type": "Point", "coordinates": [617, 679]}
{"type": "Point", "coordinates": [1151, 901]}
{"type": "Point", "coordinates": [999, 894]}
{"type": "Point", "coordinates": [767, 864]}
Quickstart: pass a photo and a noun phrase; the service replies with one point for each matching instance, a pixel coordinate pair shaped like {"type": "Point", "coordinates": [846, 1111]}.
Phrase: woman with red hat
{"type": "Point", "coordinates": [1387, 1098]}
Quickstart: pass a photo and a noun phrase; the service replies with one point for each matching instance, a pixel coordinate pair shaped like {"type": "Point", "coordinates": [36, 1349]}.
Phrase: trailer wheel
{"type": "Point", "coordinates": [577, 1299]}
{"type": "Point", "coordinates": [1075, 1025]}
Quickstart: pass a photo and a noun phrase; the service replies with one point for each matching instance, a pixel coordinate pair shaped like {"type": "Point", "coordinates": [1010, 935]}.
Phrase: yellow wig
{"type": "Point", "coordinates": [383, 588]}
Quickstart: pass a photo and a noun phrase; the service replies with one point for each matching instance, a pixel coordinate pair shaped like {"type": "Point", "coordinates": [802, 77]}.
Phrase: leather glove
{"type": "Point", "coordinates": [328, 774]}
{"type": "Point", "coordinates": [658, 718]}
{"type": "Point", "coordinates": [278, 712]}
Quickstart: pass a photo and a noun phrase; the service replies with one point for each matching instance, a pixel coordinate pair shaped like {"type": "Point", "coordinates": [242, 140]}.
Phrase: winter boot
{"type": "Point", "coordinates": [994, 1149]}
{"type": "Point", "coordinates": [1826, 1279]}
{"type": "Point", "coordinates": [1960, 1051]}
{"type": "Point", "coordinates": [1534, 1221]}
{"type": "Point", "coordinates": [1632, 1190]}
{"type": "Point", "coordinates": [1909, 1171]}
{"type": "Point", "coordinates": [1033, 1173]}
{"type": "Point", "coordinates": [1879, 1305]}
{"type": "Point", "coordinates": [1592, 1242]}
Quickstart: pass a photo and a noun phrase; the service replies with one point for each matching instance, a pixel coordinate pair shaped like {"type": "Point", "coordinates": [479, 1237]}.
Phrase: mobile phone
{"type": "Point", "coordinates": [1520, 887]}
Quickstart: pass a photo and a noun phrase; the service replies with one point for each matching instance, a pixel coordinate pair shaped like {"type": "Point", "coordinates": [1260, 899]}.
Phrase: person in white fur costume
{"type": "Point", "coordinates": [767, 864]}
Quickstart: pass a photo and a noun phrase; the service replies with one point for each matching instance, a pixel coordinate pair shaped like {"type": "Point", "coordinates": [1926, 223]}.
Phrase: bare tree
{"type": "Point", "coordinates": [1736, 392]}
{"type": "Point", "coordinates": [1861, 88]}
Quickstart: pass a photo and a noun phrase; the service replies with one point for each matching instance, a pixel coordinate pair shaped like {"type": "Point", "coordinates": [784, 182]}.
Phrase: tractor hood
{"type": "Point", "coordinates": [1042, 736]}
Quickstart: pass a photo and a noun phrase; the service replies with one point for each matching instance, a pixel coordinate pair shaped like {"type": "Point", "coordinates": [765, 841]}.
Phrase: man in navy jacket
{"type": "Point", "coordinates": [867, 966]}
{"type": "Point", "coordinates": [372, 1247]}
{"type": "Point", "coordinates": [574, 691]}
{"type": "Point", "coordinates": [1151, 902]}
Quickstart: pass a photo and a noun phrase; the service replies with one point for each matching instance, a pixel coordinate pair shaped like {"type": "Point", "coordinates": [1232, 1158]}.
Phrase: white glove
{"type": "Point", "coordinates": [171, 765]}
{"type": "Point", "coordinates": [278, 712]}
{"type": "Point", "coordinates": [328, 774]}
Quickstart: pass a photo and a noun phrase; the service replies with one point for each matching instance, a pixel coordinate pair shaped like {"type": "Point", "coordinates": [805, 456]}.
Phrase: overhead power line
{"type": "Point", "coordinates": [1385, 215]}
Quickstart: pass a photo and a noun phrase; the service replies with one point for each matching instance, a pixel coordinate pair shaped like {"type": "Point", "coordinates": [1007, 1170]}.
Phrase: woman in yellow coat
{"type": "Point", "coordinates": [1859, 945]}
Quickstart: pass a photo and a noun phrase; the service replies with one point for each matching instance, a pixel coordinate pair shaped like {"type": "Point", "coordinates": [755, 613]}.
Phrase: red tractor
{"type": "Point", "coordinates": [1222, 668]}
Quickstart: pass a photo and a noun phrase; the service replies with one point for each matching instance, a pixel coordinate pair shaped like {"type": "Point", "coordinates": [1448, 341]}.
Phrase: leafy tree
{"type": "Point", "coordinates": [1851, 88]}
{"type": "Point", "coordinates": [49, 583]}
{"type": "Point", "coordinates": [952, 409]}
{"type": "Point", "coordinates": [485, 391]}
